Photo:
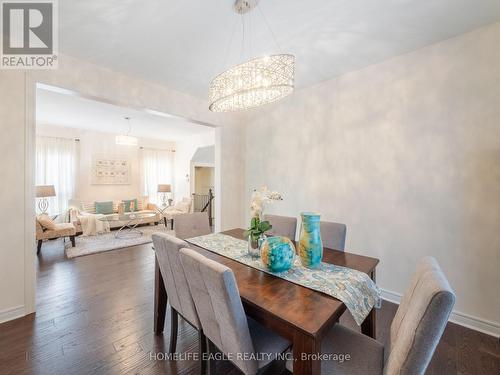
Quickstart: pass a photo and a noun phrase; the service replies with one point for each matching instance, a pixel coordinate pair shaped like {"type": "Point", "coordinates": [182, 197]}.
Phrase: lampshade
{"type": "Point", "coordinates": [126, 140]}
{"type": "Point", "coordinates": [164, 188]}
{"type": "Point", "coordinates": [43, 191]}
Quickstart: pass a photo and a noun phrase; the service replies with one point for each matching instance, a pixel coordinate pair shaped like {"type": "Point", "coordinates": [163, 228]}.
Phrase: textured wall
{"type": "Point", "coordinates": [407, 154]}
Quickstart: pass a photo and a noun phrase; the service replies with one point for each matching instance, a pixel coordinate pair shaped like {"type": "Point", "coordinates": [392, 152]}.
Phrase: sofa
{"type": "Point", "coordinates": [78, 207]}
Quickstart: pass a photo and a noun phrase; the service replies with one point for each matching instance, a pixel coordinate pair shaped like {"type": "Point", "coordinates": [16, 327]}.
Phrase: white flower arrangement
{"type": "Point", "coordinates": [262, 197]}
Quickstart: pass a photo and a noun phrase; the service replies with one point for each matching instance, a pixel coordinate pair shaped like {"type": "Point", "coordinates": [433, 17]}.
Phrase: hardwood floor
{"type": "Point", "coordinates": [95, 316]}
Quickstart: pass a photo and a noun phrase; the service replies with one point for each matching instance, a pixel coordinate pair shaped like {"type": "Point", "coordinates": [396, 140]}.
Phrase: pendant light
{"type": "Point", "coordinates": [259, 81]}
{"type": "Point", "coordinates": [126, 140]}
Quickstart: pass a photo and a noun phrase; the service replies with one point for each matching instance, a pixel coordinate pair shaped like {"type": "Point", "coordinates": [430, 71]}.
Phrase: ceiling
{"type": "Point", "coordinates": [61, 109]}
{"type": "Point", "coordinates": [183, 44]}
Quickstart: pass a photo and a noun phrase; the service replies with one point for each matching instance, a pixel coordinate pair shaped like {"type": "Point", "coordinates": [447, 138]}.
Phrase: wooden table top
{"type": "Point", "coordinates": [305, 309]}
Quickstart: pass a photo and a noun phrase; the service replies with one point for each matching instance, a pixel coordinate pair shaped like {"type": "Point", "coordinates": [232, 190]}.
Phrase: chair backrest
{"type": "Point", "coordinates": [333, 235]}
{"type": "Point", "coordinates": [191, 225]}
{"type": "Point", "coordinates": [282, 225]}
{"type": "Point", "coordinates": [420, 320]}
{"type": "Point", "coordinates": [219, 307]}
{"type": "Point", "coordinates": [167, 252]}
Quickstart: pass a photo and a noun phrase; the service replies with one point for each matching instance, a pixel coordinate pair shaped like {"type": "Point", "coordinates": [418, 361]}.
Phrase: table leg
{"type": "Point", "coordinates": [134, 228]}
{"type": "Point", "coordinates": [130, 227]}
{"type": "Point", "coordinates": [369, 326]}
{"type": "Point", "coordinates": [305, 348]}
{"type": "Point", "coordinates": [126, 225]}
{"type": "Point", "coordinates": [160, 302]}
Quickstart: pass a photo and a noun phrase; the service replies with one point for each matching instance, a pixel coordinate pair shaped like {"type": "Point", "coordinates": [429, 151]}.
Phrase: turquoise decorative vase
{"type": "Point", "coordinates": [277, 253]}
{"type": "Point", "coordinates": [310, 244]}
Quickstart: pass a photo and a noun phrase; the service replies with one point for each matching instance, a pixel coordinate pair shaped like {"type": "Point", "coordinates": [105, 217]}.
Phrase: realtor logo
{"type": "Point", "coordinates": [29, 34]}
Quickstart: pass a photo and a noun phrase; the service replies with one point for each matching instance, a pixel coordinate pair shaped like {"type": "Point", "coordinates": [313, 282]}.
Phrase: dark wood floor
{"type": "Point", "coordinates": [95, 316]}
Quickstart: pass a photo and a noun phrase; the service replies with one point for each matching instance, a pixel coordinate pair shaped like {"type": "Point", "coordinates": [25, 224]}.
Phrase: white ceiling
{"type": "Point", "coordinates": [71, 111]}
{"type": "Point", "coordinates": [182, 44]}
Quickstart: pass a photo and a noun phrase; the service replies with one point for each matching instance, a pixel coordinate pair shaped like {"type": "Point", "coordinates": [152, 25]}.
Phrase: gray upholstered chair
{"type": "Point", "coordinates": [191, 225]}
{"type": "Point", "coordinates": [217, 299]}
{"type": "Point", "coordinates": [333, 235]}
{"type": "Point", "coordinates": [415, 331]}
{"type": "Point", "coordinates": [282, 226]}
{"type": "Point", "coordinates": [181, 303]}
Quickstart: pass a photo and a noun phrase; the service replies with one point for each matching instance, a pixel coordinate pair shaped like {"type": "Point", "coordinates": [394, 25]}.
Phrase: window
{"type": "Point", "coordinates": [55, 165]}
{"type": "Point", "coordinates": [156, 168]}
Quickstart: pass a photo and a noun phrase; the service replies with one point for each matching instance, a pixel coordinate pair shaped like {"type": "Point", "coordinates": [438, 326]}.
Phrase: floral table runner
{"type": "Point", "coordinates": [354, 288]}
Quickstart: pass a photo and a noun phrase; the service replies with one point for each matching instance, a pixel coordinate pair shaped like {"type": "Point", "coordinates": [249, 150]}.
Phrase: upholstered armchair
{"type": "Point", "coordinates": [169, 213]}
{"type": "Point", "coordinates": [58, 231]}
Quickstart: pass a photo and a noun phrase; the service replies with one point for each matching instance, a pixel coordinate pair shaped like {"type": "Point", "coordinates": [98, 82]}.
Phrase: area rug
{"type": "Point", "coordinates": [86, 245]}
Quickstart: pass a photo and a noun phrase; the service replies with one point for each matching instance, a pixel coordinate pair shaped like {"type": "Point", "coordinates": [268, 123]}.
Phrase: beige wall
{"type": "Point", "coordinates": [18, 127]}
{"type": "Point", "coordinates": [407, 154]}
{"type": "Point", "coordinates": [204, 179]}
{"type": "Point", "coordinates": [229, 181]}
{"type": "Point", "coordinates": [12, 144]}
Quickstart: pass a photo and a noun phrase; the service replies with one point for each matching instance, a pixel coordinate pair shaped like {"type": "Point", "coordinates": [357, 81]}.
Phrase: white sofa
{"type": "Point", "coordinates": [78, 206]}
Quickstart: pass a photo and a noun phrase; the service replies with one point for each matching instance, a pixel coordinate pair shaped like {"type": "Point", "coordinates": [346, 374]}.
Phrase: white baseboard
{"type": "Point", "coordinates": [465, 320]}
{"type": "Point", "coordinates": [391, 296]}
{"type": "Point", "coordinates": [11, 313]}
{"type": "Point", "coordinates": [475, 323]}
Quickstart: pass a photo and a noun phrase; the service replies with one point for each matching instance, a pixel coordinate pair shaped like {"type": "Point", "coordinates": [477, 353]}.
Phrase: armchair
{"type": "Point", "coordinates": [60, 230]}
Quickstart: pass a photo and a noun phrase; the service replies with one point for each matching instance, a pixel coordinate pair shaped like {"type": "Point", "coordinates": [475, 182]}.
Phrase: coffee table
{"type": "Point", "coordinates": [131, 220]}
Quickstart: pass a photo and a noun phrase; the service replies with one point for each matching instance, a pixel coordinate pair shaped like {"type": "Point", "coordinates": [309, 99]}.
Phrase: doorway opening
{"type": "Point", "coordinates": [203, 195]}
{"type": "Point", "coordinates": [89, 151]}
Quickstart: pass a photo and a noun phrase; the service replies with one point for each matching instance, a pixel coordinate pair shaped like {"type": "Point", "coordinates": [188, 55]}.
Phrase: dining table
{"type": "Point", "coordinates": [302, 315]}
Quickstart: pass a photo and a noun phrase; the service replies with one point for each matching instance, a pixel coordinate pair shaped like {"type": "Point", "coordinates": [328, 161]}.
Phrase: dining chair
{"type": "Point", "coordinates": [191, 225]}
{"type": "Point", "coordinates": [217, 300]}
{"type": "Point", "coordinates": [181, 303]}
{"type": "Point", "coordinates": [414, 334]}
{"type": "Point", "coordinates": [333, 235]}
{"type": "Point", "coordinates": [282, 225]}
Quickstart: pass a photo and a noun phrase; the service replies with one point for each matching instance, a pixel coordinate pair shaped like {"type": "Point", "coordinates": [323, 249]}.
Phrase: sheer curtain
{"type": "Point", "coordinates": [156, 168]}
{"type": "Point", "coordinates": [55, 165]}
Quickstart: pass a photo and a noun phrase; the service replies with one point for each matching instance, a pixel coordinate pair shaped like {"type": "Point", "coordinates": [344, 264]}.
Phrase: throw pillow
{"type": "Point", "coordinates": [105, 208]}
{"type": "Point", "coordinates": [46, 222]}
{"type": "Point", "coordinates": [127, 202]}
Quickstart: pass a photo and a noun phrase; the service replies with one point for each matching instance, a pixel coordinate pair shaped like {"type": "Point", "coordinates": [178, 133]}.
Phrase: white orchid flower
{"type": "Point", "coordinates": [260, 197]}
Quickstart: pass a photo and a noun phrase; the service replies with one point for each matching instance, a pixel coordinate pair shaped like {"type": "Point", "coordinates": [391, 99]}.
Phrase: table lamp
{"type": "Point", "coordinates": [164, 189]}
{"type": "Point", "coordinates": [43, 192]}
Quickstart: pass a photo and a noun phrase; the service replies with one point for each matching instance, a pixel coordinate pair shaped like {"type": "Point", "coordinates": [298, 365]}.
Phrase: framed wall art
{"type": "Point", "coordinates": [110, 170]}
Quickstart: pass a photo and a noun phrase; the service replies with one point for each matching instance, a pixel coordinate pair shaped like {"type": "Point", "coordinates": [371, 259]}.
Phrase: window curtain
{"type": "Point", "coordinates": [56, 165]}
{"type": "Point", "coordinates": [156, 168]}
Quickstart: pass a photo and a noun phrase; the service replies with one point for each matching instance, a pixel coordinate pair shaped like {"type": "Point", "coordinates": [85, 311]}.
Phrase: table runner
{"type": "Point", "coordinates": [354, 288]}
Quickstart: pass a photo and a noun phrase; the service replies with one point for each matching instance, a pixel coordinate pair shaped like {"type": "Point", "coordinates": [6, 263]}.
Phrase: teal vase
{"type": "Point", "coordinates": [277, 254]}
{"type": "Point", "coordinates": [310, 244]}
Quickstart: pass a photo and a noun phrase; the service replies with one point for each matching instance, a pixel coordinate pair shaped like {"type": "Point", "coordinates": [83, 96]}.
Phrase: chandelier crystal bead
{"type": "Point", "coordinates": [256, 82]}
